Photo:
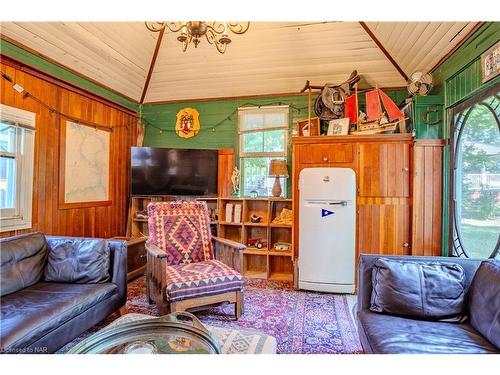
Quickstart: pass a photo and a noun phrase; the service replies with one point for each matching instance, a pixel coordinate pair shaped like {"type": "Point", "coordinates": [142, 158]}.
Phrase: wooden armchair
{"type": "Point", "coordinates": [186, 267]}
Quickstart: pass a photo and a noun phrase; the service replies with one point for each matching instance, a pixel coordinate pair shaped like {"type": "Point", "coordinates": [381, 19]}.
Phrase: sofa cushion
{"type": "Point", "coordinates": [78, 260]}
{"type": "Point", "coordinates": [32, 313]}
{"type": "Point", "coordinates": [388, 334]}
{"type": "Point", "coordinates": [425, 290]}
{"type": "Point", "coordinates": [484, 301]}
{"type": "Point", "coordinates": [22, 262]}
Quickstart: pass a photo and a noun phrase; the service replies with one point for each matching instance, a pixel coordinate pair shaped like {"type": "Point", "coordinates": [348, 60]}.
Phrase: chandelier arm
{"type": "Point", "coordinates": [175, 26]}
{"type": "Point", "coordinates": [220, 47]}
{"type": "Point", "coordinates": [216, 27]}
{"type": "Point", "coordinates": [211, 35]}
{"type": "Point", "coordinates": [239, 28]}
{"type": "Point", "coordinates": [155, 26]}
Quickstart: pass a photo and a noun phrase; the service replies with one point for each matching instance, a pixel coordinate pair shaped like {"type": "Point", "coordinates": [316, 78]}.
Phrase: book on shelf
{"type": "Point", "coordinates": [229, 212]}
{"type": "Point", "coordinates": [237, 213]}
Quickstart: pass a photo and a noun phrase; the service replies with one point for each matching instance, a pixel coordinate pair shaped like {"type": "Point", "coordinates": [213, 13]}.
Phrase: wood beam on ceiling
{"type": "Point", "coordinates": [152, 65]}
{"type": "Point", "coordinates": [52, 61]}
{"type": "Point", "coordinates": [382, 48]}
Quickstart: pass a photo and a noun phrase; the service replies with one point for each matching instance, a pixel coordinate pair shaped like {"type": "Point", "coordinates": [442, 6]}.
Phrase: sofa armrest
{"type": "Point", "coordinates": [118, 266]}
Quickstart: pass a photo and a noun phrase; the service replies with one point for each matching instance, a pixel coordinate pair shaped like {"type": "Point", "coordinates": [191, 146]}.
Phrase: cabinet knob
{"type": "Point", "coordinates": [406, 169]}
{"type": "Point", "coordinates": [325, 158]}
{"type": "Point", "coordinates": [406, 244]}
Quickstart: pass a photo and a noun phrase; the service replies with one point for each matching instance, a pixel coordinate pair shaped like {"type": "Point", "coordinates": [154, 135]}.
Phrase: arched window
{"type": "Point", "coordinates": [475, 158]}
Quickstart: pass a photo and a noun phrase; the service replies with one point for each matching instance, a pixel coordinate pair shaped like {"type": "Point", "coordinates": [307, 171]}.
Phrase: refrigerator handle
{"type": "Point", "coordinates": [340, 203]}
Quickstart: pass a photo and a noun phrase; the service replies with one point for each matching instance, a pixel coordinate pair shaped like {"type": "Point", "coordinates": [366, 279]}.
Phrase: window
{"type": "Point", "coordinates": [476, 178]}
{"type": "Point", "coordinates": [17, 138]}
{"type": "Point", "coordinates": [263, 137]}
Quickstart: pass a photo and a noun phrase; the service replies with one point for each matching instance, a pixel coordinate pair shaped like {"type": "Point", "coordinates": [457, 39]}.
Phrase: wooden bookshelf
{"type": "Point", "coordinates": [266, 262]}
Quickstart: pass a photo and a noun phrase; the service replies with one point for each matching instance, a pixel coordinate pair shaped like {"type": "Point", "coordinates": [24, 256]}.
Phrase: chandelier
{"type": "Point", "coordinates": [217, 33]}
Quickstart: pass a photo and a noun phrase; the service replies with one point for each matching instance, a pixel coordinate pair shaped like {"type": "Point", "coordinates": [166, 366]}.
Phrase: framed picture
{"type": "Point", "coordinates": [490, 63]}
{"type": "Point", "coordinates": [338, 126]}
{"type": "Point", "coordinates": [305, 129]}
{"type": "Point", "coordinates": [84, 174]}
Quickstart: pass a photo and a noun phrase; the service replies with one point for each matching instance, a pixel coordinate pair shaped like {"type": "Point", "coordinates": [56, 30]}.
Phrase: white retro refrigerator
{"type": "Point", "coordinates": [327, 229]}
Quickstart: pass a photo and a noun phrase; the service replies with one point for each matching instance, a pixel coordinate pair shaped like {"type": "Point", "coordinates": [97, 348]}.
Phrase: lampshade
{"type": "Point", "coordinates": [278, 168]}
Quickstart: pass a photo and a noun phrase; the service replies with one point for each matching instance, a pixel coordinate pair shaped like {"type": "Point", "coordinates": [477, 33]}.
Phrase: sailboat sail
{"type": "Point", "coordinates": [350, 109]}
{"type": "Point", "coordinates": [373, 110]}
{"type": "Point", "coordinates": [393, 112]}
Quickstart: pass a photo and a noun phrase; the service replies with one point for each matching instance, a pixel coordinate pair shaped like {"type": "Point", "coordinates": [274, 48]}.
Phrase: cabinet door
{"type": "Point", "coordinates": [384, 169]}
{"type": "Point", "coordinates": [326, 153]}
{"type": "Point", "coordinates": [384, 227]}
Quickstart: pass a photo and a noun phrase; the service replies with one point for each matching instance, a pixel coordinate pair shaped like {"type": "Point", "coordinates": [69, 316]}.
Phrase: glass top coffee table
{"type": "Point", "coordinates": [176, 333]}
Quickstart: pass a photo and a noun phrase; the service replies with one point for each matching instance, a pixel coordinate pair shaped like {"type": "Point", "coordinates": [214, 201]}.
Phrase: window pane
{"type": "Point", "coordinates": [7, 138]}
{"type": "Point", "coordinates": [252, 142]}
{"type": "Point", "coordinates": [7, 182]}
{"type": "Point", "coordinates": [479, 183]}
{"type": "Point", "coordinates": [255, 177]}
{"type": "Point", "coordinates": [274, 141]}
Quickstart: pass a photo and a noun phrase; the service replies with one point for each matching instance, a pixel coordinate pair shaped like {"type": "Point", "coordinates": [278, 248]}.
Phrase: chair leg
{"type": "Point", "coordinates": [238, 305]}
{"type": "Point", "coordinates": [122, 311]}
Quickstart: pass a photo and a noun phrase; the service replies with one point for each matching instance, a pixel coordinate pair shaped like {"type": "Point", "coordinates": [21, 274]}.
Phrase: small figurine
{"type": "Point", "coordinates": [255, 218]}
{"type": "Point", "coordinates": [235, 181]}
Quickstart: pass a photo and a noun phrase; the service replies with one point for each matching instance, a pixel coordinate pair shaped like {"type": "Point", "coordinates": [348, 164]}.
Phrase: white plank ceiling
{"type": "Point", "coordinates": [271, 58]}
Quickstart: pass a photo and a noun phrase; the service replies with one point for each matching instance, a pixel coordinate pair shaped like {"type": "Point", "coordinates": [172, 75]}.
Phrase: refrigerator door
{"type": "Point", "coordinates": [327, 218]}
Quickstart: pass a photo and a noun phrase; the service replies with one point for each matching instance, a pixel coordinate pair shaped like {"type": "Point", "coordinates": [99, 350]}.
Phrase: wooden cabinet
{"type": "Point", "coordinates": [398, 183]}
{"type": "Point", "coordinates": [384, 169]}
{"type": "Point", "coordinates": [427, 197]}
{"type": "Point", "coordinates": [325, 153]}
{"type": "Point", "coordinates": [384, 226]}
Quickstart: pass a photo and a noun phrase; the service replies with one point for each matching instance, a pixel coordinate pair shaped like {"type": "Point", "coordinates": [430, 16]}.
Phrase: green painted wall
{"type": "Point", "coordinates": [457, 79]}
{"type": "Point", "coordinates": [56, 71]}
{"type": "Point", "coordinates": [214, 112]}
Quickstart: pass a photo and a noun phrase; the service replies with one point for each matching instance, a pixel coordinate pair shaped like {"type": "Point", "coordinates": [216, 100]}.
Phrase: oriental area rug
{"type": "Point", "coordinates": [302, 322]}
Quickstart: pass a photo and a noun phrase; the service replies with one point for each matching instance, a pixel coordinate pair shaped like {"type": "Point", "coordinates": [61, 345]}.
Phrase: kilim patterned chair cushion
{"type": "Point", "coordinates": [182, 230]}
{"type": "Point", "coordinates": [192, 280]}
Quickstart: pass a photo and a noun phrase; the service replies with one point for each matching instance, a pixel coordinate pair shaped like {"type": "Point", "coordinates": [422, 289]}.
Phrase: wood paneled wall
{"type": "Point", "coordinates": [427, 197]}
{"type": "Point", "coordinates": [48, 217]}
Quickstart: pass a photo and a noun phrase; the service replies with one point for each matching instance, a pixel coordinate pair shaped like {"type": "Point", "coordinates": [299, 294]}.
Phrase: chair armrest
{"type": "Point", "coordinates": [155, 251]}
{"type": "Point", "coordinates": [229, 252]}
{"type": "Point", "coordinates": [230, 243]}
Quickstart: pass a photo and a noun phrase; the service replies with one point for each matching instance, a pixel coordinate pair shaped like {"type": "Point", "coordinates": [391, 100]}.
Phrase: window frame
{"type": "Point", "coordinates": [25, 124]}
{"type": "Point", "coordinates": [275, 154]}
{"type": "Point", "coordinates": [458, 119]}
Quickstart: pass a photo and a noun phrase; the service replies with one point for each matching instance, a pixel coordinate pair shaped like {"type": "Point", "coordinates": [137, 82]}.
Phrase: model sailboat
{"type": "Point", "coordinates": [375, 121]}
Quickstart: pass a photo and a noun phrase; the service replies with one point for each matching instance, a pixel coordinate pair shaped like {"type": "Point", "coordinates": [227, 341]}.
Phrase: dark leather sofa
{"type": "Point", "coordinates": [392, 334]}
{"type": "Point", "coordinates": [39, 316]}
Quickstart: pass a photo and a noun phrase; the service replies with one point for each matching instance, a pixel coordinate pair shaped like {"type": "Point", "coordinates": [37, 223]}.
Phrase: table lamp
{"type": "Point", "coordinates": [277, 169]}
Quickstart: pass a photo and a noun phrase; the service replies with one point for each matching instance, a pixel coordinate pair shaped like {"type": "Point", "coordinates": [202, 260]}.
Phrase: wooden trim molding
{"type": "Point", "coordinates": [460, 44]}
{"type": "Point", "coordinates": [255, 96]}
{"type": "Point", "coordinates": [14, 63]}
{"type": "Point", "coordinates": [152, 65]}
{"type": "Point", "coordinates": [52, 61]}
{"type": "Point", "coordinates": [384, 51]}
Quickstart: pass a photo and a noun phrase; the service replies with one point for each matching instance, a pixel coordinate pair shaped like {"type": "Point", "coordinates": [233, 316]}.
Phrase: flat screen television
{"type": "Point", "coordinates": [174, 171]}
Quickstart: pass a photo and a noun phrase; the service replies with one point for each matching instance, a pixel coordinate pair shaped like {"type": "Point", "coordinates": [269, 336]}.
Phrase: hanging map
{"type": "Point", "coordinates": [86, 167]}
